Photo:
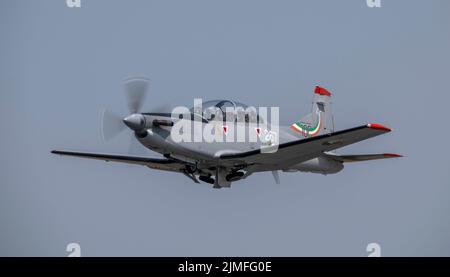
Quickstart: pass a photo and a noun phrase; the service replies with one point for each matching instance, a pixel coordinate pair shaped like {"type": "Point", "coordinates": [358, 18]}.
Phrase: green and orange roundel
{"type": "Point", "coordinates": [306, 130]}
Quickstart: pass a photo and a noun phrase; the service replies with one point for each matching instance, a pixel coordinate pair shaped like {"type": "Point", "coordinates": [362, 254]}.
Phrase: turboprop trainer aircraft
{"type": "Point", "coordinates": [307, 145]}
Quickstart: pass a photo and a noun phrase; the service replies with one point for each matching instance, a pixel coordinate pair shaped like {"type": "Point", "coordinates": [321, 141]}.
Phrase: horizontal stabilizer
{"type": "Point", "coordinates": [362, 158]}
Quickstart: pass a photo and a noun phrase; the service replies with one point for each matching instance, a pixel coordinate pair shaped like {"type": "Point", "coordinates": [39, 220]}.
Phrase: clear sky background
{"type": "Point", "coordinates": [59, 67]}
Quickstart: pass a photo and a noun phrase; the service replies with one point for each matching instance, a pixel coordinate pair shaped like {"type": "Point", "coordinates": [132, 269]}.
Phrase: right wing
{"type": "Point", "coordinates": [162, 164]}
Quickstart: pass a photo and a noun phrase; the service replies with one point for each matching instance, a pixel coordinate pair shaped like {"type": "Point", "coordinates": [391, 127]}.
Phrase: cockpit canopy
{"type": "Point", "coordinates": [226, 110]}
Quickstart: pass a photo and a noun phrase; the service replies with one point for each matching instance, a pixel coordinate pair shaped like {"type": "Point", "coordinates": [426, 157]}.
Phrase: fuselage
{"type": "Point", "coordinates": [204, 154]}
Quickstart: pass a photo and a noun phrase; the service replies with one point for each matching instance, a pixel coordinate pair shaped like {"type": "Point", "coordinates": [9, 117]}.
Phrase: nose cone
{"type": "Point", "coordinates": [135, 121]}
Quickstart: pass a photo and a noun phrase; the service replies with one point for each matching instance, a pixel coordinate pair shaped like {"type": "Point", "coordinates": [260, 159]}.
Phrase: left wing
{"type": "Point", "coordinates": [161, 164]}
{"type": "Point", "coordinates": [298, 151]}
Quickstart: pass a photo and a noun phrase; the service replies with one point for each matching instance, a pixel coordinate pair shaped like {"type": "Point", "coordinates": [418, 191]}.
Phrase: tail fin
{"type": "Point", "coordinates": [320, 120]}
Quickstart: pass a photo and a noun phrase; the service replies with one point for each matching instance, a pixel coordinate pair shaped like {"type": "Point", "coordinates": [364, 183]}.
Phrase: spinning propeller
{"type": "Point", "coordinates": [112, 124]}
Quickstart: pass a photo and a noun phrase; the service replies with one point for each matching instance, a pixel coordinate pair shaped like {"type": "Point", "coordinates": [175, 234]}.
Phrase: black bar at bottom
{"type": "Point", "coordinates": [225, 266]}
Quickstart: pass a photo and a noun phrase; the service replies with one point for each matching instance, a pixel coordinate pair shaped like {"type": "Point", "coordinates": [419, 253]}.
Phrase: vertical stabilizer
{"type": "Point", "coordinates": [320, 120]}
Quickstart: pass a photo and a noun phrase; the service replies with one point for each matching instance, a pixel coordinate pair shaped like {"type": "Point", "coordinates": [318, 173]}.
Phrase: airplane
{"type": "Point", "coordinates": [308, 145]}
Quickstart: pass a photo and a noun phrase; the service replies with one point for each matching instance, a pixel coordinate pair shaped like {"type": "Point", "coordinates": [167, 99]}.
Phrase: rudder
{"type": "Point", "coordinates": [320, 120]}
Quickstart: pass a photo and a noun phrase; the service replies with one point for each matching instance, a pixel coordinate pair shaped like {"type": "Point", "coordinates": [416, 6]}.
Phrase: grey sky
{"type": "Point", "coordinates": [59, 67]}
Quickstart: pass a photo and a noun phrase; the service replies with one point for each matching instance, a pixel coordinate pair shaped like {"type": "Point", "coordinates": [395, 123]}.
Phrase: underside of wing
{"type": "Point", "coordinates": [298, 151]}
{"type": "Point", "coordinates": [162, 164]}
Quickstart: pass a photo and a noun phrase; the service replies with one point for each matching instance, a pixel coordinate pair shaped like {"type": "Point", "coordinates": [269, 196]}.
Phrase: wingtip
{"type": "Point", "coordinates": [378, 127]}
